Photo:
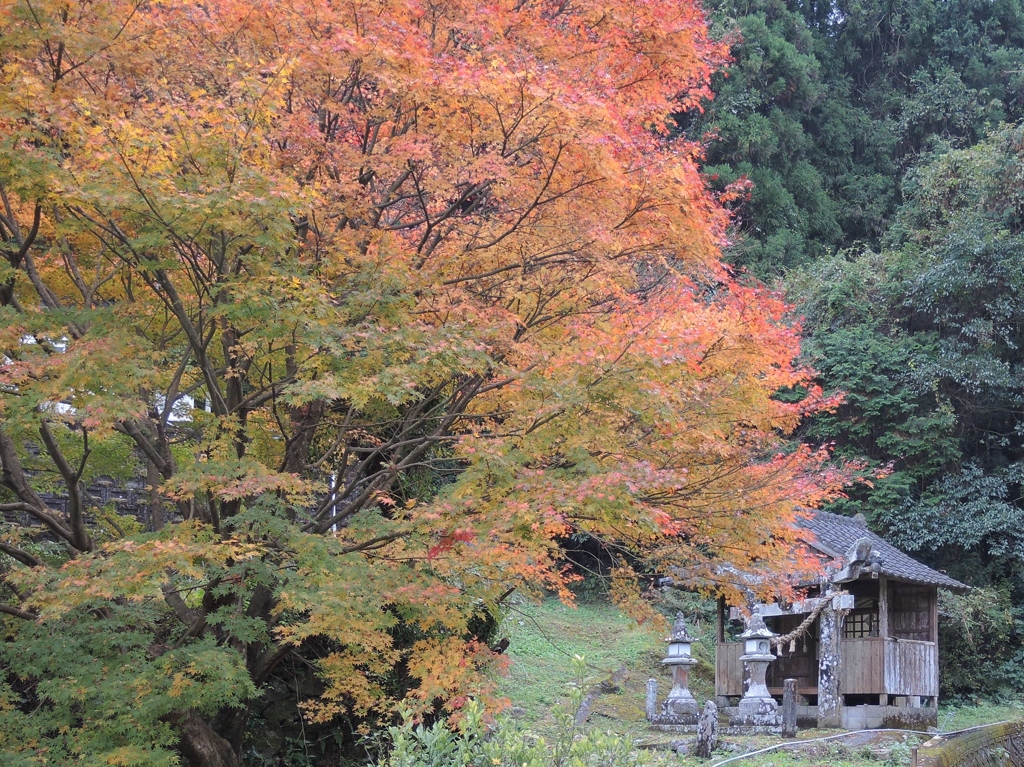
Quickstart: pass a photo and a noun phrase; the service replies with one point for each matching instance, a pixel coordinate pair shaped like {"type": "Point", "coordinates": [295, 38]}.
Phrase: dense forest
{"type": "Point", "coordinates": [883, 144]}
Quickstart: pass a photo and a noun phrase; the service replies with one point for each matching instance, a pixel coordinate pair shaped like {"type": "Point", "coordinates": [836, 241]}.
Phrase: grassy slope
{"type": "Point", "coordinates": [543, 639]}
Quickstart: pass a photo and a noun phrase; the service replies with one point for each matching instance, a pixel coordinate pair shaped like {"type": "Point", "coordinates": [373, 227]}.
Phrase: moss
{"type": "Point", "coordinates": [992, 742]}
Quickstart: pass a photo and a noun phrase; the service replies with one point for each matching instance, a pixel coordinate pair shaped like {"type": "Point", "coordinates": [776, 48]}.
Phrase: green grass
{"type": "Point", "coordinates": [884, 750]}
{"type": "Point", "coordinates": [961, 717]}
{"type": "Point", "coordinates": [543, 638]}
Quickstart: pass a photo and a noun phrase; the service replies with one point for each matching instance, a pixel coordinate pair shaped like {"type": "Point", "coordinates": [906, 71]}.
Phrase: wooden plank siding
{"type": "Point", "coordinates": [911, 667]}
{"type": "Point", "coordinates": [728, 668]}
{"type": "Point", "coordinates": [902, 667]}
{"type": "Point", "coordinates": [863, 666]}
{"type": "Point", "coordinates": [910, 611]}
{"type": "Point", "coordinates": [870, 666]}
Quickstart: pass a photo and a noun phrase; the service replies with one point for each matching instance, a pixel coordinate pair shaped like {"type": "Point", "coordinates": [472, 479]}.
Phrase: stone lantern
{"type": "Point", "coordinates": [757, 707]}
{"type": "Point", "coordinates": [680, 703]}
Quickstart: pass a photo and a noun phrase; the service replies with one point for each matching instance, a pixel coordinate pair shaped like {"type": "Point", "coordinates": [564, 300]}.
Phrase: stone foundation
{"type": "Point", "coordinates": [667, 726]}
{"type": "Point", "coordinates": [895, 717]}
{"type": "Point", "coordinates": [754, 716]}
{"type": "Point", "coordinates": [864, 717]}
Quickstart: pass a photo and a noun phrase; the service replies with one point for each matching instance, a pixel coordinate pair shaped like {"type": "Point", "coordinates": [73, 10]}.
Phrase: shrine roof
{"type": "Point", "coordinates": [833, 535]}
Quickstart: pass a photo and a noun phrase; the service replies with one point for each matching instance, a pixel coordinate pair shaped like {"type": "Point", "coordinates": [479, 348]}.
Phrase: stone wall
{"type": "Point", "coordinates": [991, 745]}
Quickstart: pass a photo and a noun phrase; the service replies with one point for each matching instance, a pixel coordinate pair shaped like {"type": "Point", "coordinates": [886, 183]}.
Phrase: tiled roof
{"type": "Point", "coordinates": [834, 535]}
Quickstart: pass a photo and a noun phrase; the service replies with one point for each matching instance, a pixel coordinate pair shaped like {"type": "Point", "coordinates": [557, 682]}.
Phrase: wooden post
{"type": "Point", "coordinates": [883, 607]}
{"type": "Point", "coordinates": [934, 619]}
{"type": "Point", "coordinates": [883, 632]}
{"type": "Point", "coordinates": [721, 620]}
{"type": "Point", "coordinates": [830, 703]}
{"type": "Point", "coordinates": [789, 708]}
{"type": "Point", "coordinates": [720, 640]}
{"type": "Point", "coordinates": [934, 613]}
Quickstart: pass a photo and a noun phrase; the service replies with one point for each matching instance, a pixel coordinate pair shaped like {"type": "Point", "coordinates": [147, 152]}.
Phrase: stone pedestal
{"type": "Point", "coordinates": [758, 712]}
{"type": "Point", "coordinates": [680, 702]}
{"type": "Point", "coordinates": [679, 712]}
{"type": "Point", "coordinates": [758, 707]}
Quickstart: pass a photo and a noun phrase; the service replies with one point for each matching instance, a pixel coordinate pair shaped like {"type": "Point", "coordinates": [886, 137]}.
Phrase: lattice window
{"type": "Point", "coordinates": [910, 615]}
{"type": "Point", "coordinates": [861, 624]}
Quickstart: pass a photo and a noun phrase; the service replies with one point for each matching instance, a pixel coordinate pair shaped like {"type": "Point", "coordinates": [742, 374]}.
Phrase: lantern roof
{"type": "Point", "coordinates": [679, 632]}
{"type": "Point", "coordinates": [756, 629]}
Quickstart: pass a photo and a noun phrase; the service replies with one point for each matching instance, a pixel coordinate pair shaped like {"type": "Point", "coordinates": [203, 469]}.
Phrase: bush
{"type": "Point", "coordinates": [980, 651]}
{"type": "Point", "coordinates": [474, 744]}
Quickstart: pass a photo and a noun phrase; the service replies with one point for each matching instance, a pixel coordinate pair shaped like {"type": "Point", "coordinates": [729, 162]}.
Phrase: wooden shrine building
{"type": "Point", "coordinates": [869, 658]}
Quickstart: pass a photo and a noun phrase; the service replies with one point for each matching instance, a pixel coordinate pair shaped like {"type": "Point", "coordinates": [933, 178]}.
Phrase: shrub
{"type": "Point", "coordinates": [979, 643]}
{"type": "Point", "coordinates": [473, 744]}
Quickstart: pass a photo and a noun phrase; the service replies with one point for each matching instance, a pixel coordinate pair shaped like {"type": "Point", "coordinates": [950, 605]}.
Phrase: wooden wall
{"type": "Point", "coordinates": [728, 668]}
{"type": "Point", "coordinates": [870, 667]}
{"type": "Point", "coordinates": [863, 666]}
{"type": "Point", "coordinates": [910, 611]}
{"type": "Point", "coordinates": [911, 667]}
{"type": "Point", "coordinates": [801, 664]}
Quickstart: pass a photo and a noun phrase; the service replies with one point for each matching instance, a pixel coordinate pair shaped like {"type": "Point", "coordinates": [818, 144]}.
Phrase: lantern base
{"type": "Point", "coordinates": [682, 709]}
{"type": "Point", "coordinates": [758, 714]}
{"type": "Point", "coordinates": [758, 707]}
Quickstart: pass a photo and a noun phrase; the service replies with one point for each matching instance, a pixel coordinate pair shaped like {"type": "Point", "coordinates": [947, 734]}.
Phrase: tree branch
{"type": "Point", "coordinates": [72, 480]}
{"type": "Point", "coordinates": [24, 615]}
{"type": "Point", "coordinates": [20, 555]}
{"type": "Point", "coordinates": [12, 476]}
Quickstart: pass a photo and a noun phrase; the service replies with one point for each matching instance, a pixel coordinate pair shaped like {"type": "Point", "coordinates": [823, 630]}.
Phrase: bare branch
{"type": "Point", "coordinates": [20, 555]}
{"type": "Point", "coordinates": [72, 479]}
{"type": "Point", "coordinates": [8, 610]}
{"type": "Point", "coordinates": [14, 478]}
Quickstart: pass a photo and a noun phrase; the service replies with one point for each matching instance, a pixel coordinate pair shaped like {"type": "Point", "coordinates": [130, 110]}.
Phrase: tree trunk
{"type": "Point", "coordinates": [156, 501]}
{"type": "Point", "coordinates": [200, 745]}
{"type": "Point", "coordinates": [231, 723]}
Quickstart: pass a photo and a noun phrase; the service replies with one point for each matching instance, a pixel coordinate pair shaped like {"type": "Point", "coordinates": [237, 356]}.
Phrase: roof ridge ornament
{"type": "Point", "coordinates": [862, 556]}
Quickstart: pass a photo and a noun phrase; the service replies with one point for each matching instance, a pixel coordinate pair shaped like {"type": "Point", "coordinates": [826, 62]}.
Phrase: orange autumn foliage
{"type": "Point", "coordinates": [389, 298]}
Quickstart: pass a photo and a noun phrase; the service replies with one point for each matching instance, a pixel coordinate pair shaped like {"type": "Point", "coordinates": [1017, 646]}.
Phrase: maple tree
{"type": "Point", "coordinates": [387, 299]}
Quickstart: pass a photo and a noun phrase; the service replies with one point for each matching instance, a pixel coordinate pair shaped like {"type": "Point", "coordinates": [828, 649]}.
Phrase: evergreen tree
{"type": "Point", "coordinates": [927, 340]}
{"type": "Point", "coordinates": [825, 107]}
